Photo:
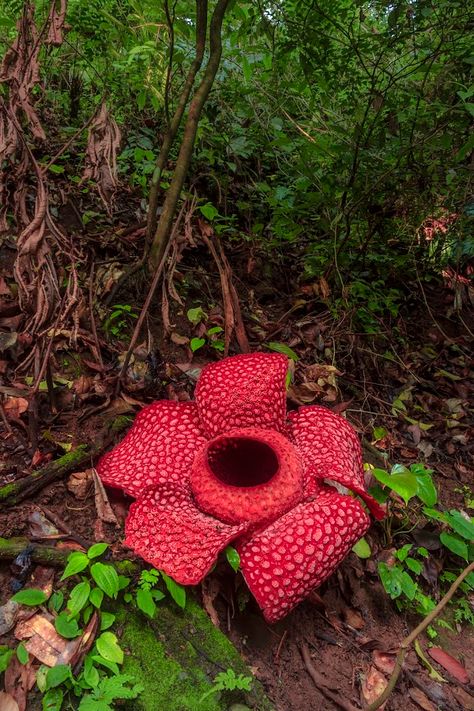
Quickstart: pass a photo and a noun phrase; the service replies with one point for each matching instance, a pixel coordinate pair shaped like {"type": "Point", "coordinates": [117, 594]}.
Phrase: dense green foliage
{"type": "Point", "coordinates": [335, 132]}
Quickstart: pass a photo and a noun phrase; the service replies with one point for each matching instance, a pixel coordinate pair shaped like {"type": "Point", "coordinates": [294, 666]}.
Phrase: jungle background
{"type": "Point", "coordinates": [181, 181]}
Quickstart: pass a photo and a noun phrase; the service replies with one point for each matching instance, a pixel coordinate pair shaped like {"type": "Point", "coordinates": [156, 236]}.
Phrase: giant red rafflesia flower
{"type": "Point", "coordinates": [231, 467]}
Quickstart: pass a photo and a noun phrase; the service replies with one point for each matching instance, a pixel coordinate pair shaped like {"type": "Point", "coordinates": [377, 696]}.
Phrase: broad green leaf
{"type": "Point", "coordinates": [379, 433]}
{"type": "Point", "coordinates": [455, 545]}
{"type": "Point", "coordinates": [435, 514]}
{"type": "Point", "coordinates": [111, 666]}
{"type": "Point", "coordinates": [403, 483]}
{"type": "Point", "coordinates": [460, 524]}
{"type": "Point", "coordinates": [41, 677]}
{"type": "Point", "coordinates": [107, 619]}
{"type": "Point", "coordinates": [196, 315]}
{"type": "Point", "coordinates": [362, 549]}
{"type": "Point", "coordinates": [91, 675]}
{"type": "Point", "coordinates": [284, 349]}
{"type": "Point", "coordinates": [52, 700]}
{"type": "Point", "coordinates": [177, 592]}
{"type": "Point", "coordinates": [414, 565]}
{"type": "Point", "coordinates": [65, 627]}
{"type": "Point", "coordinates": [30, 597]}
{"type": "Point", "coordinates": [57, 675]}
{"type": "Point", "coordinates": [233, 558]}
{"type": "Point", "coordinates": [78, 598]}
{"type": "Point", "coordinates": [146, 603]}
{"type": "Point", "coordinates": [96, 597]}
{"type": "Point", "coordinates": [108, 647]}
{"type": "Point", "coordinates": [5, 655]}
{"type": "Point", "coordinates": [56, 600]}
{"type": "Point", "coordinates": [404, 551]}
{"type": "Point", "coordinates": [409, 587]}
{"type": "Point", "coordinates": [97, 549]}
{"type": "Point", "coordinates": [106, 578]}
{"type": "Point", "coordinates": [76, 563]}
{"type": "Point", "coordinates": [427, 490]}
{"type": "Point", "coordinates": [124, 582]}
{"type": "Point", "coordinates": [390, 578]}
{"type": "Point", "coordinates": [196, 343]}
{"type": "Point", "coordinates": [22, 654]}
{"type": "Point", "coordinates": [209, 211]}
{"type": "Point", "coordinates": [87, 613]}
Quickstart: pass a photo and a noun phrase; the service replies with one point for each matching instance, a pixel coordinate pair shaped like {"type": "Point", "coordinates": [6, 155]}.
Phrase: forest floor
{"type": "Point", "coordinates": [412, 380]}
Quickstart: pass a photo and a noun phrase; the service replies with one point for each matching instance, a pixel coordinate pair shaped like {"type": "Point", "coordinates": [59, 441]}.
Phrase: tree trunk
{"type": "Point", "coordinates": [163, 230]}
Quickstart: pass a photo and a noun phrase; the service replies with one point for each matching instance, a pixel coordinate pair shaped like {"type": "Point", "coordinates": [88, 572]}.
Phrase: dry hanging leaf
{"type": "Point", "coordinates": [104, 510]}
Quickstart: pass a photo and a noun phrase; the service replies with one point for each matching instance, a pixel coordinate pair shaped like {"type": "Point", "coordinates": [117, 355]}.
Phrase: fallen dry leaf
{"type": "Point", "coordinates": [373, 686]}
{"type": "Point", "coordinates": [449, 663]}
{"type": "Point", "coordinates": [80, 484]}
{"type": "Point", "coordinates": [46, 645]}
{"type": "Point", "coordinates": [104, 510]}
{"type": "Point", "coordinates": [383, 661]}
{"type": "Point", "coordinates": [353, 618]}
{"type": "Point", "coordinates": [465, 699]}
{"type": "Point", "coordinates": [19, 679]}
{"type": "Point", "coordinates": [7, 702]}
{"type": "Point", "coordinates": [14, 407]}
{"type": "Point", "coordinates": [40, 526]}
{"type": "Point", "coordinates": [8, 615]}
{"type": "Point", "coordinates": [210, 590]}
{"type": "Point", "coordinates": [421, 699]}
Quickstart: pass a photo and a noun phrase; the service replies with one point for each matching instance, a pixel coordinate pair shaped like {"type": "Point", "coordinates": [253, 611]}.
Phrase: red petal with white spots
{"type": "Point", "coordinates": [166, 529]}
{"type": "Point", "coordinates": [283, 563]}
{"type": "Point", "coordinates": [243, 391]}
{"type": "Point", "coordinates": [330, 449]}
{"type": "Point", "coordinates": [160, 447]}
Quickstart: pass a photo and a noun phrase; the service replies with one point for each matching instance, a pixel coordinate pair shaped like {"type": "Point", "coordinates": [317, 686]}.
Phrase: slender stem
{"type": "Point", "coordinates": [163, 230]}
{"type": "Point", "coordinates": [201, 32]}
{"type": "Point", "coordinates": [414, 634]}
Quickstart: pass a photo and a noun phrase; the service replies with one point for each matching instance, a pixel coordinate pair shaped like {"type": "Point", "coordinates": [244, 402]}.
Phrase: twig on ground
{"type": "Point", "coordinates": [413, 635]}
{"type": "Point", "coordinates": [321, 684]}
{"type": "Point", "coordinates": [62, 525]}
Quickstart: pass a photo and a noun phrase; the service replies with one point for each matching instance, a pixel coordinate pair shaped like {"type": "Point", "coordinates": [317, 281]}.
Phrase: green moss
{"type": "Point", "coordinates": [6, 490]}
{"type": "Point", "coordinates": [176, 657]}
{"type": "Point", "coordinates": [65, 461]}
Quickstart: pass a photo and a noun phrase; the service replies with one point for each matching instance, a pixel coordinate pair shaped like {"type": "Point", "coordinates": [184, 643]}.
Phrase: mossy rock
{"type": "Point", "coordinates": [176, 657]}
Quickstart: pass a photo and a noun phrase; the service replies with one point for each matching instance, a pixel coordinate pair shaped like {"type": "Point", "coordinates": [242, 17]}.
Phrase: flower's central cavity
{"type": "Point", "coordinates": [241, 461]}
{"type": "Point", "coordinates": [247, 475]}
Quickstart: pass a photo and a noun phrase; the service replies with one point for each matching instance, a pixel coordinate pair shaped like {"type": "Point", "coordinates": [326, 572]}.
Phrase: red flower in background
{"type": "Point", "coordinates": [231, 467]}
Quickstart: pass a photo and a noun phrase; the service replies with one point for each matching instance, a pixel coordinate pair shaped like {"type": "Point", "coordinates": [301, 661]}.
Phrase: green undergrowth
{"type": "Point", "coordinates": [176, 656]}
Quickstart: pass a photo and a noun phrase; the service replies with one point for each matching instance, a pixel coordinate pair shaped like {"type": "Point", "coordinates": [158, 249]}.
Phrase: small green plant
{"type": "Point", "coordinates": [119, 319]}
{"type": "Point", "coordinates": [402, 577]}
{"type": "Point", "coordinates": [211, 337]}
{"type": "Point", "coordinates": [228, 681]}
{"type": "Point", "coordinates": [99, 684]}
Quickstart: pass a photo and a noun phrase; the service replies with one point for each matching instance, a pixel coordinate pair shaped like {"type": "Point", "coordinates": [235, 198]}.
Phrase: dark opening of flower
{"type": "Point", "coordinates": [232, 467]}
{"type": "Point", "coordinates": [241, 461]}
